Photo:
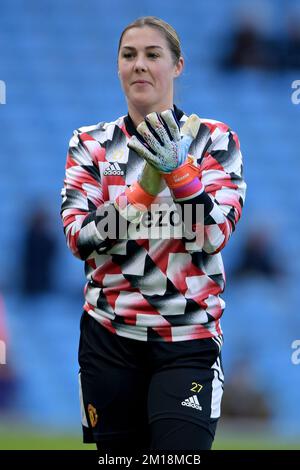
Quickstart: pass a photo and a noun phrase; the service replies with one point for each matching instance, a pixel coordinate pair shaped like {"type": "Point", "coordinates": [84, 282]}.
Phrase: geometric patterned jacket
{"type": "Point", "coordinates": [162, 286]}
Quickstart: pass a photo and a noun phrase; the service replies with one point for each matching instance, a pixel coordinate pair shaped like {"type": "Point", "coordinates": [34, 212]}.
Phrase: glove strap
{"type": "Point", "coordinates": [183, 175]}
{"type": "Point", "coordinates": [137, 196]}
{"type": "Point", "coordinates": [133, 203]}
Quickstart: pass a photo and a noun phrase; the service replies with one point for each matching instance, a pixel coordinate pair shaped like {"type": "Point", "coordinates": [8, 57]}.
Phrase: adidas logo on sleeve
{"type": "Point", "coordinates": [192, 402]}
{"type": "Point", "coordinates": [113, 169]}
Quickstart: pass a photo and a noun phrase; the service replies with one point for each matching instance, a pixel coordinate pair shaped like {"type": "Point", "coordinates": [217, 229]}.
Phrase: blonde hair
{"type": "Point", "coordinates": [165, 29]}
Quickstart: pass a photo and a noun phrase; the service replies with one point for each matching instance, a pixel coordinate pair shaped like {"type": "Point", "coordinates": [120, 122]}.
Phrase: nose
{"type": "Point", "coordinates": [140, 64]}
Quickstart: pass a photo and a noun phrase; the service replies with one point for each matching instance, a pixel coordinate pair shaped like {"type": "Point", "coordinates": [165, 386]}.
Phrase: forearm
{"type": "Point", "coordinates": [214, 218]}
{"type": "Point", "coordinates": [204, 220]}
{"type": "Point", "coordinates": [102, 227]}
{"type": "Point", "coordinates": [211, 181]}
{"type": "Point", "coordinates": [97, 230]}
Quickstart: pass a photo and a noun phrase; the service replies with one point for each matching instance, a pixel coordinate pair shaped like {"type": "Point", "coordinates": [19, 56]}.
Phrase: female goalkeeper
{"type": "Point", "coordinates": [149, 201]}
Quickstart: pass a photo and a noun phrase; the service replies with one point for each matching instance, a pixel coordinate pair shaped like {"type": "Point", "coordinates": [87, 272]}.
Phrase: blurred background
{"type": "Point", "coordinates": [58, 62]}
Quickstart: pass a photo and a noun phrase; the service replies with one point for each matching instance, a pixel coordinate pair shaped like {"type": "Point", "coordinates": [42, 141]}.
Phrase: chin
{"type": "Point", "coordinates": [143, 103]}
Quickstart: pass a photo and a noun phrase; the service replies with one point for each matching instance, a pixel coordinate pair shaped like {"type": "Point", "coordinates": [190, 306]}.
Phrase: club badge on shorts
{"type": "Point", "coordinates": [92, 415]}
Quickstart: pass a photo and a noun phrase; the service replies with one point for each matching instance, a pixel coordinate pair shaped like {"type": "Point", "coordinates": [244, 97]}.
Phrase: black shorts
{"type": "Point", "coordinates": [154, 395]}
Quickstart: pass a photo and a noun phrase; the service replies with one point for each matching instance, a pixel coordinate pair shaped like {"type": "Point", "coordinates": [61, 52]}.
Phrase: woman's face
{"type": "Point", "coordinates": [147, 70]}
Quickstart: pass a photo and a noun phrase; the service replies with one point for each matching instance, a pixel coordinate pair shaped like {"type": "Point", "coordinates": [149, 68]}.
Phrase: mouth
{"type": "Point", "coordinates": [141, 82]}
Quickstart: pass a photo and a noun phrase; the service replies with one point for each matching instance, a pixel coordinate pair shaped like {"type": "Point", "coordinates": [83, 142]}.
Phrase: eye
{"type": "Point", "coordinates": [153, 55]}
{"type": "Point", "coordinates": [127, 55]}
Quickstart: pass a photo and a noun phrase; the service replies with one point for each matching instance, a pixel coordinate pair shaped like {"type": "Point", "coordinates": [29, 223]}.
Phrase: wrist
{"type": "Point", "coordinates": [150, 180]}
{"type": "Point", "coordinates": [188, 190]}
{"type": "Point", "coordinates": [133, 203]}
{"type": "Point", "coordinates": [184, 181]}
{"type": "Point", "coordinates": [182, 175]}
{"type": "Point", "coordinates": [138, 197]}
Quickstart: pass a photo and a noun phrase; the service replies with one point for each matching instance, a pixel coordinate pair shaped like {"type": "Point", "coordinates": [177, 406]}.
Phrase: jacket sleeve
{"type": "Point", "coordinates": [224, 189]}
{"type": "Point", "coordinates": [83, 207]}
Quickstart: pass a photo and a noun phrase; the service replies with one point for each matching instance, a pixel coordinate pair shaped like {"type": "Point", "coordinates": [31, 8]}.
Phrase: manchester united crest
{"type": "Point", "coordinates": [92, 415]}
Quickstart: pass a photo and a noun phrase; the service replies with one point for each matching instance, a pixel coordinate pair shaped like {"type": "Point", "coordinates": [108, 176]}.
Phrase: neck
{"type": "Point", "coordinates": [138, 114]}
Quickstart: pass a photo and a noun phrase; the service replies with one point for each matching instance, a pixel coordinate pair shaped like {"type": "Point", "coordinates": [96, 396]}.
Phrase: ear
{"type": "Point", "coordinates": [179, 67]}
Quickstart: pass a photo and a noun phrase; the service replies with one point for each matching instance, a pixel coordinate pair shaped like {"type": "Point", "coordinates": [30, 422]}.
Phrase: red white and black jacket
{"type": "Point", "coordinates": [142, 288]}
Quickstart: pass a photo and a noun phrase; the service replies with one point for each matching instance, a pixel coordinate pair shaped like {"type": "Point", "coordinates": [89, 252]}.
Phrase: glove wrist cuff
{"type": "Point", "coordinates": [138, 197]}
{"type": "Point", "coordinates": [182, 175]}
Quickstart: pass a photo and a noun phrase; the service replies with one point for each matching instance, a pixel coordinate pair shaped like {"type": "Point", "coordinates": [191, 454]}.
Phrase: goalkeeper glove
{"type": "Point", "coordinates": [166, 147]}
